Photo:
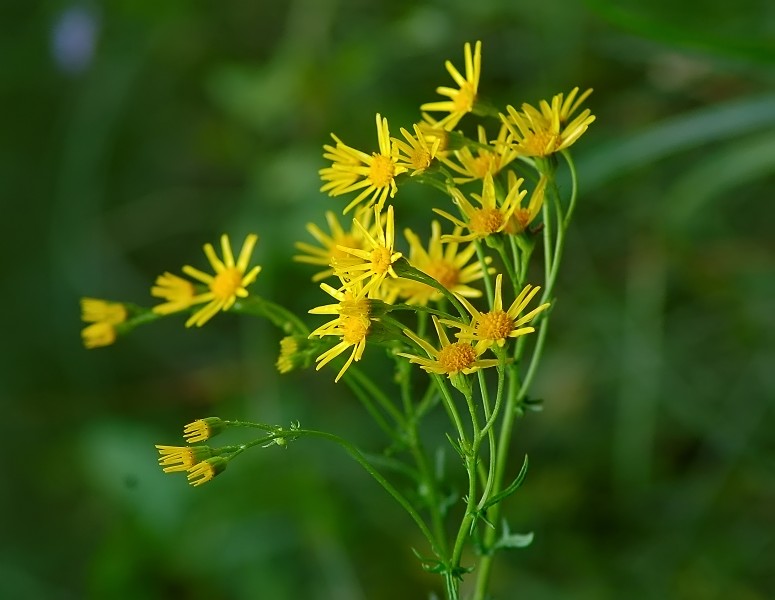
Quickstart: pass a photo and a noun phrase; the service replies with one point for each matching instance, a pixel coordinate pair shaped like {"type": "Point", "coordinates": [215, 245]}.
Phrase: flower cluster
{"type": "Point", "coordinates": [432, 298]}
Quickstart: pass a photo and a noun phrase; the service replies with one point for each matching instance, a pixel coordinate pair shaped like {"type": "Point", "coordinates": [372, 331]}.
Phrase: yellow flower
{"type": "Point", "coordinates": [375, 261]}
{"type": "Point", "coordinates": [103, 316]}
{"type": "Point", "coordinates": [94, 310]}
{"type": "Point", "coordinates": [489, 218]}
{"type": "Point", "coordinates": [182, 458]}
{"type": "Point", "coordinates": [449, 267]}
{"type": "Point", "coordinates": [489, 160]}
{"type": "Point", "coordinates": [179, 293]}
{"type": "Point", "coordinates": [418, 151]}
{"type": "Point", "coordinates": [496, 325]}
{"type": "Point", "coordinates": [329, 250]}
{"type": "Point", "coordinates": [547, 129]}
{"type": "Point", "coordinates": [461, 100]}
{"type": "Point", "coordinates": [229, 282]}
{"type": "Point", "coordinates": [353, 170]}
{"type": "Point", "coordinates": [524, 216]}
{"type": "Point", "coordinates": [434, 131]}
{"type": "Point", "coordinates": [351, 324]}
{"type": "Point", "coordinates": [451, 358]}
{"type": "Point", "coordinates": [203, 429]}
{"type": "Point", "coordinates": [99, 334]}
{"type": "Point", "coordinates": [204, 471]}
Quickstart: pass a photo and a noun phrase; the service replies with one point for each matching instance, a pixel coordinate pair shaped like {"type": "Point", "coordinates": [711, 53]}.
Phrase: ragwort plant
{"type": "Point", "coordinates": [460, 309]}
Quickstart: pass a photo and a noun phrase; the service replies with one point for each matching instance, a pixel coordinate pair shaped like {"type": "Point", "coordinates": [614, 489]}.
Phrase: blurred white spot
{"type": "Point", "coordinates": [73, 39]}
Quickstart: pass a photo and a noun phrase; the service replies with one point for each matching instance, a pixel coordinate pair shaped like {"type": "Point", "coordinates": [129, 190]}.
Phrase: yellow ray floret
{"type": "Point", "coordinates": [329, 250]}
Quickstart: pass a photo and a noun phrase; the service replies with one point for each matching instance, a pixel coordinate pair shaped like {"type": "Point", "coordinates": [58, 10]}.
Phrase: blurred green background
{"type": "Point", "coordinates": [135, 131]}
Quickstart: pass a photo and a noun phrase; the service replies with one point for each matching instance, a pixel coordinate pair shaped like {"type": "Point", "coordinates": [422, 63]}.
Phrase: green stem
{"type": "Point", "coordinates": [485, 274]}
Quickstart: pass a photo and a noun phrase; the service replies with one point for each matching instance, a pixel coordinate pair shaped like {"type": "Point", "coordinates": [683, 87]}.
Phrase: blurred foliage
{"type": "Point", "coordinates": [652, 463]}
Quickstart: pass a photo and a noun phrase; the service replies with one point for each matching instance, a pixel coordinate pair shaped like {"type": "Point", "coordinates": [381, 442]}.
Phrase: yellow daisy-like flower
{"type": "Point", "coordinates": [488, 218]}
{"type": "Point", "coordinates": [547, 129]}
{"type": "Point", "coordinates": [451, 358]}
{"type": "Point", "coordinates": [103, 316]}
{"type": "Point", "coordinates": [329, 250]}
{"type": "Point", "coordinates": [496, 325]}
{"type": "Point", "coordinates": [351, 325]}
{"type": "Point", "coordinates": [179, 293]}
{"type": "Point", "coordinates": [229, 282]}
{"type": "Point", "coordinates": [182, 458]}
{"type": "Point", "coordinates": [353, 170]}
{"type": "Point", "coordinates": [524, 215]}
{"type": "Point", "coordinates": [204, 471]}
{"type": "Point", "coordinates": [418, 151]}
{"type": "Point", "coordinates": [202, 430]}
{"type": "Point", "coordinates": [375, 261]}
{"type": "Point", "coordinates": [447, 266]}
{"type": "Point", "coordinates": [488, 161]}
{"type": "Point", "coordinates": [461, 100]}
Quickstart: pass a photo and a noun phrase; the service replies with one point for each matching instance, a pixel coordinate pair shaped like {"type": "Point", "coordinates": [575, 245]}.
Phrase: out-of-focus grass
{"type": "Point", "coordinates": [651, 465]}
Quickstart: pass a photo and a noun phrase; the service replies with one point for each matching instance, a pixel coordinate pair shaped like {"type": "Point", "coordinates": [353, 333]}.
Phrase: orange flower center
{"type": "Point", "coordinates": [518, 222]}
{"type": "Point", "coordinates": [381, 171]}
{"type": "Point", "coordinates": [465, 98]}
{"type": "Point", "coordinates": [485, 221]}
{"type": "Point", "coordinates": [226, 283]}
{"type": "Point", "coordinates": [445, 273]}
{"type": "Point", "coordinates": [456, 357]}
{"type": "Point", "coordinates": [494, 325]}
{"type": "Point", "coordinates": [542, 143]}
{"type": "Point", "coordinates": [421, 158]}
{"type": "Point", "coordinates": [381, 260]}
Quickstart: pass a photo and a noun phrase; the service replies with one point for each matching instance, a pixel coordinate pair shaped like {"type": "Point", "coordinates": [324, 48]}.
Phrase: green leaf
{"type": "Point", "coordinates": [509, 490]}
{"type": "Point", "coordinates": [512, 540]}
